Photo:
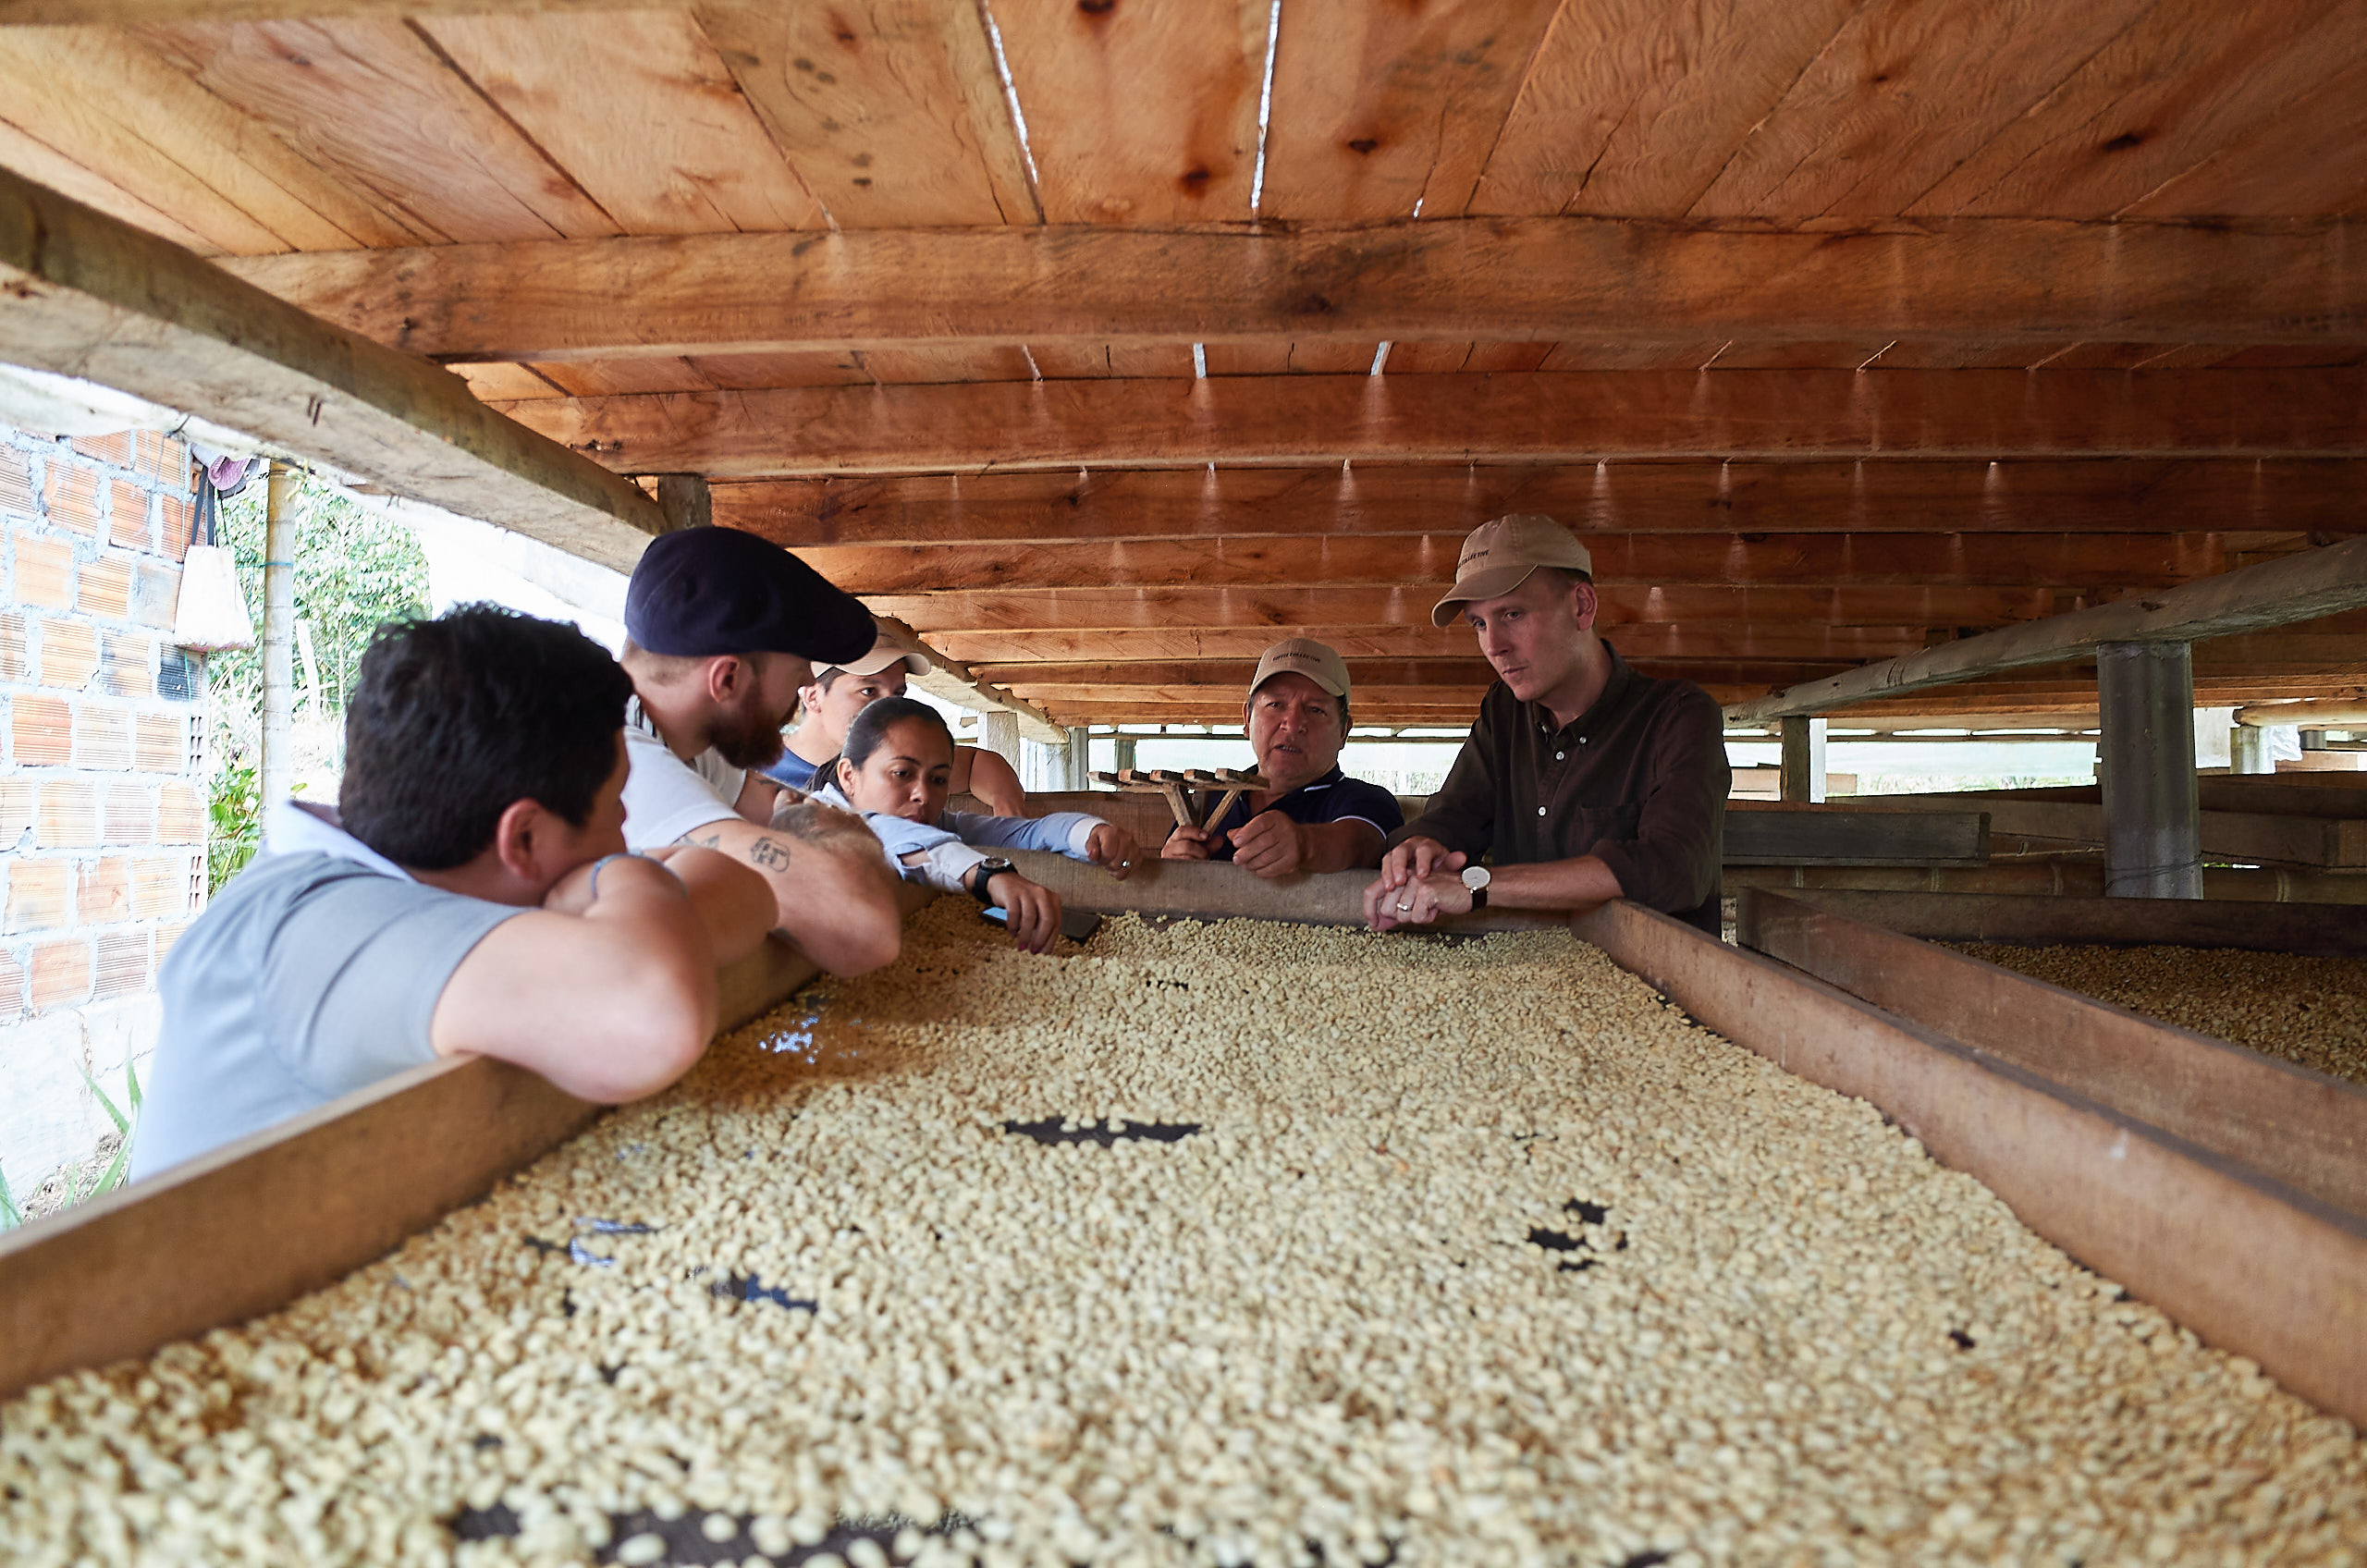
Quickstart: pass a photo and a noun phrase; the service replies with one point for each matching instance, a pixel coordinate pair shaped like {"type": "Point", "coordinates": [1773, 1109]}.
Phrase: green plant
{"type": "Point", "coordinates": [9, 1216]}
{"type": "Point", "coordinates": [234, 816]}
{"type": "Point", "coordinates": [112, 1177]}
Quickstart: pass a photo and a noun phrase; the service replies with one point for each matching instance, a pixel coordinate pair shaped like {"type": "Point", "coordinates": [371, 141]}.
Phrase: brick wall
{"type": "Point", "coordinates": [101, 784]}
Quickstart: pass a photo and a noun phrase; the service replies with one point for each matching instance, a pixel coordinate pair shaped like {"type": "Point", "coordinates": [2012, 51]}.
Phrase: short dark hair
{"type": "Point", "coordinates": [870, 726]}
{"type": "Point", "coordinates": [454, 720]}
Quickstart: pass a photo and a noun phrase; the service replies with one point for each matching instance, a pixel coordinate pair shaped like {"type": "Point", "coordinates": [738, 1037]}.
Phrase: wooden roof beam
{"type": "Point", "coordinates": [956, 682]}
{"type": "Point", "coordinates": [85, 295]}
{"type": "Point", "coordinates": [1153, 607]}
{"type": "Point", "coordinates": [2300, 587]}
{"type": "Point", "coordinates": [1299, 419]}
{"type": "Point", "coordinates": [1533, 279]}
{"type": "Point", "coordinates": [2090, 561]}
{"type": "Point", "coordinates": [2099, 494]}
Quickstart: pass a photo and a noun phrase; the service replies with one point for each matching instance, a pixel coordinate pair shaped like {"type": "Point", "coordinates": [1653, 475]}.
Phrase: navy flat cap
{"type": "Point", "coordinates": [706, 590]}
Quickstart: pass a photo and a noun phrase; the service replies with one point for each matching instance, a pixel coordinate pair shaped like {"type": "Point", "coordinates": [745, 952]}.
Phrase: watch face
{"type": "Point", "coordinates": [1477, 877]}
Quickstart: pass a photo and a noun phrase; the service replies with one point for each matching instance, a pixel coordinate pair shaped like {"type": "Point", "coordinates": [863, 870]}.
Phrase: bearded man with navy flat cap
{"type": "Point", "coordinates": [721, 629]}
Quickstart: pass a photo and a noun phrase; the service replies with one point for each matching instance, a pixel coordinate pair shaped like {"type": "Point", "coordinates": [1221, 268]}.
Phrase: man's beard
{"type": "Point", "coordinates": [746, 736]}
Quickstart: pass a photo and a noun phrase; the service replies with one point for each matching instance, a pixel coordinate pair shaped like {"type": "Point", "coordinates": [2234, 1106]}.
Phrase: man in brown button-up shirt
{"type": "Point", "coordinates": [1582, 780]}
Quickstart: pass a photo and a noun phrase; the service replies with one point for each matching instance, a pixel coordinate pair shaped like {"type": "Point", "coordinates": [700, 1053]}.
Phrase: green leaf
{"type": "Point", "coordinates": [9, 1216]}
{"type": "Point", "coordinates": [131, 1083]}
{"type": "Point", "coordinates": [121, 1124]}
{"type": "Point", "coordinates": [112, 1177]}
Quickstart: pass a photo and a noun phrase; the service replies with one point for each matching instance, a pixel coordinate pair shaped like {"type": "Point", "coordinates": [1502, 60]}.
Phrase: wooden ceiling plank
{"type": "Point", "coordinates": [1903, 93]}
{"type": "Point", "coordinates": [927, 363]}
{"type": "Point", "coordinates": [1392, 111]}
{"type": "Point", "coordinates": [1632, 109]}
{"type": "Point", "coordinates": [889, 109]}
{"type": "Point", "coordinates": [2277, 593]}
{"type": "Point", "coordinates": [121, 110]}
{"type": "Point", "coordinates": [507, 383]}
{"type": "Point", "coordinates": [1234, 674]}
{"type": "Point", "coordinates": [1129, 609]}
{"type": "Point", "coordinates": [1314, 419]}
{"type": "Point", "coordinates": [2239, 499]}
{"type": "Point", "coordinates": [86, 295]}
{"type": "Point", "coordinates": [2168, 94]}
{"type": "Point", "coordinates": [1695, 639]}
{"type": "Point", "coordinates": [1610, 294]}
{"type": "Point", "coordinates": [2074, 560]}
{"type": "Point", "coordinates": [45, 165]}
{"type": "Point", "coordinates": [2310, 156]}
{"type": "Point", "coordinates": [637, 108]}
{"type": "Point", "coordinates": [371, 101]}
{"type": "Point", "coordinates": [612, 379]}
{"type": "Point", "coordinates": [1144, 113]}
{"type": "Point", "coordinates": [29, 14]}
{"type": "Point", "coordinates": [732, 372]}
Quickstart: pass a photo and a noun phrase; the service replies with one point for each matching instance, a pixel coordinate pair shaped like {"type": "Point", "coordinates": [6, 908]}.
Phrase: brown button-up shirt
{"type": "Point", "coordinates": [1639, 781]}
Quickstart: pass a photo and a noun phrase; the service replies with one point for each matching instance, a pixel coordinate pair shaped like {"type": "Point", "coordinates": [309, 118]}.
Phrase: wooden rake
{"type": "Point", "coordinates": [1174, 783]}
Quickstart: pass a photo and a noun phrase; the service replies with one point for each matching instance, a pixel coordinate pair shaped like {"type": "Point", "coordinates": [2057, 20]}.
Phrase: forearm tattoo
{"type": "Point", "coordinates": [767, 853]}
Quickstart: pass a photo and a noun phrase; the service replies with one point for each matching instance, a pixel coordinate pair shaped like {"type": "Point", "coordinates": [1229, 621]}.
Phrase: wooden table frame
{"type": "Point", "coordinates": [2247, 1260]}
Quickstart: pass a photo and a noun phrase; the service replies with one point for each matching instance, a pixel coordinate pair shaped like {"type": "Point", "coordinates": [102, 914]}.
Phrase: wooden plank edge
{"type": "Point", "coordinates": [2309, 930]}
{"type": "Point", "coordinates": [1215, 890]}
{"type": "Point", "coordinates": [250, 1227]}
{"type": "Point", "coordinates": [2301, 1128]}
{"type": "Point", "coordinates": [2248, 1265]}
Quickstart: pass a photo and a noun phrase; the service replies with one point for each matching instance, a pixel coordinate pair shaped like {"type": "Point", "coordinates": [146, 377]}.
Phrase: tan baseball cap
{"type": "Point", "coordinates": [883, 654]}
{"type": "Point", "coordinates": [1498, 556]}
{"type": "Point", "coordinates": [1304, 656]}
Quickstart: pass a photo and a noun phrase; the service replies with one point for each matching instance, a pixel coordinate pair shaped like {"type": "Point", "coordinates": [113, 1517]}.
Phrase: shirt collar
{"type": "Point", "coordinates": [1614, 691]}
{"type": "Point", "coordinates": [302, 827]}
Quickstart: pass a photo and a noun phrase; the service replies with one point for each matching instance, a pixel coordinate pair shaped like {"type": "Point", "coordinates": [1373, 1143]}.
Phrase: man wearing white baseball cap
{"type": "Point", "coordinates": [1314, 818]}
{"type": "Point", "coordinates": [1582, 780]}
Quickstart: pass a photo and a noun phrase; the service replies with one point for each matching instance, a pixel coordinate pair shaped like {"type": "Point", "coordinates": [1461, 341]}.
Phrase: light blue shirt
{"type": "Point", "coordinates": [948, 845]}
{"type": "Point", "coordinates": [315, 973]}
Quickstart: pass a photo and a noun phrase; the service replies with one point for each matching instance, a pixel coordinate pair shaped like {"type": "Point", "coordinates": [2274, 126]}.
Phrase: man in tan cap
{"type": "Point", "coordinates": [1582, 780]}
{"type": "Point", "coordinates": [1314, 819]}
{"type": "Point", "coordinates": [839, 692]}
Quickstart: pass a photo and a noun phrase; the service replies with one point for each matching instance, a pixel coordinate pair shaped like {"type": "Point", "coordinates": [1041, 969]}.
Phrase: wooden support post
{"type": "Point", "coordinates": [999, 733]}
{"type": "Point", "coordinates": [2314, 739]}
{"type": "Point", "coordinates": [1126, 759]}
{"type": "Point", "coordinates": [2249, 750]}
{"type": "Point", "coordinates": [277, 767]}
{"type": "Point", "coordinates": [685, 500]}
{"type": "Point", "coordinates": [1803, 760]}
{"type": "Point", "coordinates": [1076, 759]}
{"type": "Point", "coordinates": [2152, 810]}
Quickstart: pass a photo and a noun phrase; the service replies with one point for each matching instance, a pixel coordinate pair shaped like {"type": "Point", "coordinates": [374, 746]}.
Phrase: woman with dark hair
{"type": "Point", "coordinates": [894, 770]}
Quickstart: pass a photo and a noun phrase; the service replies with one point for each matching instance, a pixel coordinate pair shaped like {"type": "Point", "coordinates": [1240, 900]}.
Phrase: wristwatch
{"type": "Point", "coordinates": [1476, 878]}
{"type": "Point", "coordinates": [983, 873]}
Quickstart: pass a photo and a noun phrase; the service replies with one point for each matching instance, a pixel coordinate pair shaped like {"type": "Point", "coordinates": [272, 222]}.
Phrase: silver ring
{"type": "Point", "coordinates": [1405, 906]}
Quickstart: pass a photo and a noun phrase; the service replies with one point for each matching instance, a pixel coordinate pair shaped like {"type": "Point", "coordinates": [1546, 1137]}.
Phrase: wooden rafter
{"type": "Point", "coordinates": [2319, 582]}
{"type": "Point", "coordinates": [2087, 495]}
{"type": "Point", "coordinates": [85, 295]}
{"type": "Point", "coordinates": [1536, 279]}
{"type": "Point", "coordinates": [1453, 419]}
{"type": "Point", "coordinates": [2074, 561]}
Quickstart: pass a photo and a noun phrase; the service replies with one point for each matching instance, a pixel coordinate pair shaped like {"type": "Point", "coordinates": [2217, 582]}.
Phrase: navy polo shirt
{"type": "Point", "coordinates": [1333, 798]}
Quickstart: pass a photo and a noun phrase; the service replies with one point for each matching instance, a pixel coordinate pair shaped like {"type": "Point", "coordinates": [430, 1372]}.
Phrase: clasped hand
{"type": "Point", "coordinates": [1419, 880]}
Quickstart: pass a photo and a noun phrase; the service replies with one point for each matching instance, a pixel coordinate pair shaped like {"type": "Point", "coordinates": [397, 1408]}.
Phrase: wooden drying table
{"type": "Point", "coordinates": [2140, 1154]}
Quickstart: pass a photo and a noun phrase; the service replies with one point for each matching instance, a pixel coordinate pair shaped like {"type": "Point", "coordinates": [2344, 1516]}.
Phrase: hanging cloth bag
{"type": "Point", "coordinates": [212, 613]}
